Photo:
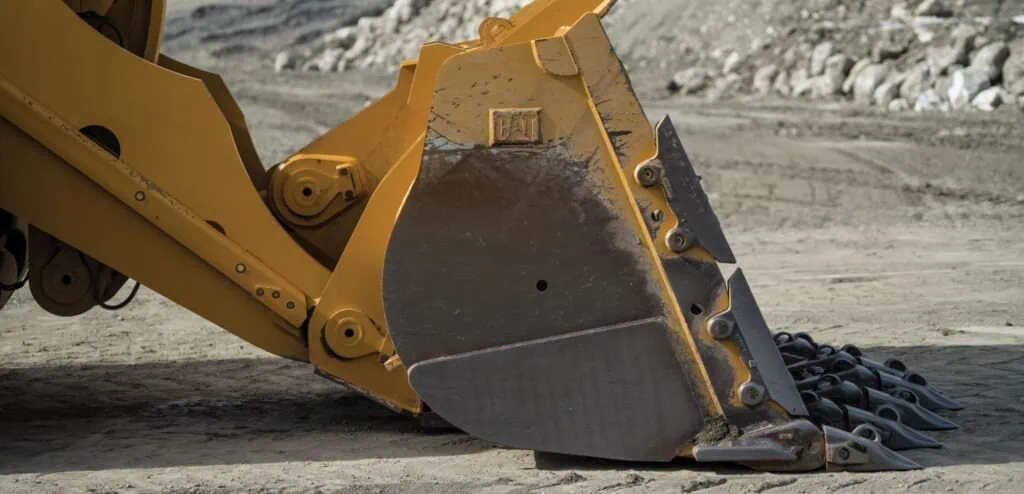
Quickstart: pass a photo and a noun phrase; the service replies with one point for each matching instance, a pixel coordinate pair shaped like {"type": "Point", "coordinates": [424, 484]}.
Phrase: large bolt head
{"type": "Point", "coordinates": [843, 454]}
{"type": "Point", "coordinates": [751, 393]}
{"type": "Point", "coordinates": [720, 328]}
{"type": "Point", "coordinates": [649, 174]}
{"type": "Point", "coordinates": [679, 240]}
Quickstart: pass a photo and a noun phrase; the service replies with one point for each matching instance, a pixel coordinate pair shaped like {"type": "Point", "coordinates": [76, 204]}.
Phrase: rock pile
{"type": "Point", "coordinates": [383, 42]}
{"type": "Point", "coordinates": [897, 54]}
{"type": "Point", "coordinates": [924, 58]}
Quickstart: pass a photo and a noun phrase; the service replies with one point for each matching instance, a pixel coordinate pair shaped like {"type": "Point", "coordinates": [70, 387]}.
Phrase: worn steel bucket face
{"type": "Point", "coordinates": [552, 281]}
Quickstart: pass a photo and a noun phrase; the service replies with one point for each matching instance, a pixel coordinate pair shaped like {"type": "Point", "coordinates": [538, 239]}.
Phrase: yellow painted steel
{"type": "Point", "coordinates": [232, 112]}
{"type": "Point", "coordinates": [140, 24]}
{"type": "Point", "coordinates": [104, 227]}
{"type": "Point", "coordinates": [148, 199]}
{"type": "Point", "coordinates": [176, 142]}
{"type": "Point", "coordinates": [202, 233]}
{"type": "Point", "coordinates": [397, 118]}
{"type": "Point", "coordinates": [170, 127]}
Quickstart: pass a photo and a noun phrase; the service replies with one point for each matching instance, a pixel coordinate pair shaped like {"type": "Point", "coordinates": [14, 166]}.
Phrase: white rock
{"type": "Point", "coordinates": [284, 61]}
{"type": "Point", "coordinates": [991, 58]}
{"type": "Point", "coordinates": [359, 48]}
{"type": "Point", "coordinates": [826, 87]}
{"type": "Point", "coordinates": [389, 22]}
{"type": "Point", "coordinates": [789, 58]}
{"type": "Point", "coordinates": [732, 62]}
{"type": "Point", "coordinates": [406, 9]}
{"type": "Point", "coordinates": [918, 80]}
{"type": "Point", "coordinates": [1013, 69]}
{"type": "Point", "coordinates": [854, 72]}
{"type": "Point", "coordinates": [819, 56]}
{"type": "Point", "coordinates": [819, 87]}
{"type": "Point", "coordinates": [898, 105]}
{"type": "Point", "coordinates": [886, 93]}
{"type": "Point", "coordinates": [990, 99]}
{"type": "Point", "coordinates": [689, 81]}
{"type": "Point", "coordinates": [805, 88]}
{"type": "Point", "coordinates": [723, 87]}
{"type": "Point", "coordinates": [868, 81]}
{"type": "Point", "coordinates": [930, 101]}
{"type": "Point", "coordinates": [764, 78]}
{"type": "Point", "coordinates": [798, 76]}
{"type": "Point", "coordinates": [942, 85]}
{"type": "Point", "coordinates": [367, 25]}
{"type": "Point", "coordinates": [781, 84]}
{"type": "Point", "coordinates": [838, 67]}
{"type": "Point", "coordinates": [967, 83]}
{"type": "Point", "coordinates": [343, 37]}
{"type": "Point", "coordinates": [964, 38]}
{"type": "Point", "coordinates": [941, 58]}
{"type": "Point", "coordinates": [897, 77]}
{"type": "Point", "coordinates": [327, 61]}
{"type": "Point", "coordinates": [887, 49]}
{"type": "Point", "coordinates": [900, 11]}
{"type": "Point", "coordinates": [923, 34]}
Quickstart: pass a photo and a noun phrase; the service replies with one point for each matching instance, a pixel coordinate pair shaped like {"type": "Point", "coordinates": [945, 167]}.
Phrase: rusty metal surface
{"type": "Point", "coordinates": [616, 392]}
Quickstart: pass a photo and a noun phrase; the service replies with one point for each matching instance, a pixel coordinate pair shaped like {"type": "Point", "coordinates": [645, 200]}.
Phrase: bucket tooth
{"type": "Point", "coordinates": [926, 396]}
{"type": "Point", "coordinates": [849, 363]}
{"type": "Point", "coordinates": [824, 411]}
{"type": "Point", "coordinates": [794, 446]}
{"type": "Point", "coordinates": [891, 366]}
{"type": "Point", "coordinates": [841, 392]}
{"type": "Point", "coordinates": [799, 348]}
{"type": "Point", "coordinates": [895, 435]}
{"type": "Point", "coordinates": [845, 451]}
{"type": "Point", "coordinates": [847, 393]}
{"type": "Point", "coordinates": [911, 414]}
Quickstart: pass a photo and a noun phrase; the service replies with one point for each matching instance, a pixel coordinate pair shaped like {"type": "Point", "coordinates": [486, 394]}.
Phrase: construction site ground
{"type": "Point", "coordinates": [902, 234]}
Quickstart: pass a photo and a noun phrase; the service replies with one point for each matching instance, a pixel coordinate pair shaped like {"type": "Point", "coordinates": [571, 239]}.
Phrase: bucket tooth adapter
{"type": "Point", "coordinates": [504, 242]}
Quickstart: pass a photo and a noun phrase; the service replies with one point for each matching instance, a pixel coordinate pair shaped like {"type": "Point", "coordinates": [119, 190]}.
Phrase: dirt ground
{"type": "Point", "coordinates": [903, 234]}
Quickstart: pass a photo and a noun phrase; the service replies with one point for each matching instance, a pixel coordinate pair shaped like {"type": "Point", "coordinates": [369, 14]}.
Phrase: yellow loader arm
{"type": "Point", "coordinates": [503, 240]}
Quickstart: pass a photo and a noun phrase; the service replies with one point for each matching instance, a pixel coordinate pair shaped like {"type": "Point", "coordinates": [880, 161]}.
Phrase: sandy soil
{"type": "Point", "coordinates": [901, 234]}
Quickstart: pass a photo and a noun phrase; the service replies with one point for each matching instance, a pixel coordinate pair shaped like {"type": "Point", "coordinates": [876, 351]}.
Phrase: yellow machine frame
{"type": "Point", "coordinates": [187, 149]}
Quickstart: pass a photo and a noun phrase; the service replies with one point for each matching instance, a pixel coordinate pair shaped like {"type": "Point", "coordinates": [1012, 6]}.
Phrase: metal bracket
{"type": "Point", "coordinates": [310, 189]}
{"type": "Point", "coordinates": [350, 334]}
{"type": "Point", "coordinates": [671, 169]}
{"type": "Point", "coordinates": [147, 199]}
{"type": "Point", "coordinates": [744, 325]}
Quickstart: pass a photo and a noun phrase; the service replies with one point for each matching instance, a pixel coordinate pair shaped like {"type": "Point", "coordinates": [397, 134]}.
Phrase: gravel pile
{"type": "Point", "coordinates": [383, 42]}
{"type": "Point", "coordinates": [923, 55]}
{"type": "Point", "coordinates": [931, 55]}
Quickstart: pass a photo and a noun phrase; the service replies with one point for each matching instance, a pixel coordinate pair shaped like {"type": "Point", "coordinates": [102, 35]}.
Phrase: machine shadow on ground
{"type": "Point", "coordinates": [250, 411]}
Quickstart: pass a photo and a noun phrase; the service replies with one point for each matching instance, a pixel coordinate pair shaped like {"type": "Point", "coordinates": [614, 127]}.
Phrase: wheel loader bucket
{"type": "Point", "coordinates": [553, 281]}
{"type": "Point", "coordinates": [516, 248]}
